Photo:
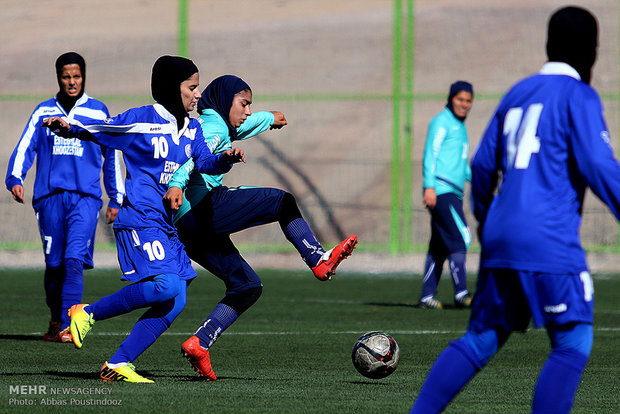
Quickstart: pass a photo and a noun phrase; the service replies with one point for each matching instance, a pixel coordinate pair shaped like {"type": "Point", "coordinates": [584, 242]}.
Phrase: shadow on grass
{"type": "Point", "coordinates": [373, 383]}
{"type": "Point", "coordinates": [78, 375]}
{"type": "Point", "coordinates": [32, 337]}
{"type": "Point", "coordinates": [446, 306]}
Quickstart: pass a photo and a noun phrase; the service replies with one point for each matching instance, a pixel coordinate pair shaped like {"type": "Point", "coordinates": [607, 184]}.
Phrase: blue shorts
{"type": "Point", "coordinates": [67, 224]}
{"type": "Point", "coordinates": [229, 210]}
{"type": "Point", "coordinates": [149, 252]}
{"type": "Point", "coordinates": [508, 299]}
{"type": "Point", "coordinates": [449, 231]}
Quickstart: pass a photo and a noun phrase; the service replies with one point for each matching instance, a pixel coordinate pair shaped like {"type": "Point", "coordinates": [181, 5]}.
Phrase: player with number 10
{"type": "Point", "coordinates": [155, 140]}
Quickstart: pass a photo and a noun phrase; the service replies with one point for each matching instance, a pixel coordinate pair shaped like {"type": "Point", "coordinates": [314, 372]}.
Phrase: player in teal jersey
{"type": "Point", "coordinates": [210, 212]}
{"type": "Point", "coordinates": [445, 172]}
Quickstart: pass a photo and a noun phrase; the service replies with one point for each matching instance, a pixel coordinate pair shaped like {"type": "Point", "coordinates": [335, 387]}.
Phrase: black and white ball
{"type": "Point", "coordinates": [375, 354]}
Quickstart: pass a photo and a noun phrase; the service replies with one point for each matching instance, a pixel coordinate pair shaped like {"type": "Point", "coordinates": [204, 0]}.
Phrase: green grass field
{"type": "Point", "coordinates": [290, 353]}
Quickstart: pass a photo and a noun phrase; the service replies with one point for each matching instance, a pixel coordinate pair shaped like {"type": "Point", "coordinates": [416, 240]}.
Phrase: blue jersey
{"type": "Point", "coordinates": [153, 150]}
{"type": "Point", "coordinates": [66, 164]}
{"type": "Point", "coordinates": [547, 141]}
{"type": "Point", "coordinates": [445, 165]}
{"type": "Point", "coordinates": [218, 139]}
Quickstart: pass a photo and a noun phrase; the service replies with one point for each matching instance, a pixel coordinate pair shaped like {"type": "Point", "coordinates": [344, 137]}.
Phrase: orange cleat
{"type": "Point", "coordinates": [326, 267]}
{"type": "Point", "coordinates": [198, 357]}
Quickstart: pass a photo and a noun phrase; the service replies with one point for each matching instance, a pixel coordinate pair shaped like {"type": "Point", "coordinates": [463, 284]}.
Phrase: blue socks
{"type": "Point", "coordinates": [151, 325]}
{"type": "Point", "coordinates": [138, 295]}
{"type": "Point", "coordinates": [558, 382]}
{"type": "Point", "coordinates": [299, 234]}
{"type": "Point", "coordinates": [218, 321]}
{"type": "Point", "coordinates": [64, 286]}
{"type": "Point", "coordinates": [166, 294]}
{"type": "Point", "coordinates": [454, 367]}
{"type": "Point", "coordinates": [72, 288]}
{"type": "Point", "coordinates": [52, 282]}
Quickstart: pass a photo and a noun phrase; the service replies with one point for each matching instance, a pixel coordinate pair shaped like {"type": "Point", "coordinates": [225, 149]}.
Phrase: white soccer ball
{"type": "Point", "coordinates": [375, 354]}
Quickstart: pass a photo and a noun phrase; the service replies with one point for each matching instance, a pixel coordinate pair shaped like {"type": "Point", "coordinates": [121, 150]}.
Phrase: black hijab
{"type": "Point", "coordinates": [67, 102]}
{"type": "Point", "coordinates": [572, 38]}
{"type": "Point", "coordinates": [168, 74]}
{"type": "Point", "coordinates": [219, 94]}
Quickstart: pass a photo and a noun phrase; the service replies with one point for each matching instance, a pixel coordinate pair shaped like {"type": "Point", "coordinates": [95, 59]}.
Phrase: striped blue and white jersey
{"type": "Point", "coordinates": [218, 139]}
{"type": "Point", "coordinates": [66, 164]}
{"type": "Point", "coordinates": [153, 150]}
{"type": "Point", "coordinates": [546, 143]}
{"type": "Point", "coordinates": [445, 166]}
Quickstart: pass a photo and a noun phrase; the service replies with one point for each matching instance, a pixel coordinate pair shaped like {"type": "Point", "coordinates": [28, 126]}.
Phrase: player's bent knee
{"type": "Point", "coordinates": [288, 210]}
{"type": "Point", "coordinates": [242, 301]}
{"type": "Point", "coordinates": [574, 337]}
{"type": "Point", "coordinates": [482, 344]}
{"type": "Point", "coordinates": [165, 287]}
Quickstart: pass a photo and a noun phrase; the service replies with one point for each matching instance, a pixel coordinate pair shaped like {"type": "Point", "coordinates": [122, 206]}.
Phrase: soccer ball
{"type": "Point", "coordinates": [375, 354]}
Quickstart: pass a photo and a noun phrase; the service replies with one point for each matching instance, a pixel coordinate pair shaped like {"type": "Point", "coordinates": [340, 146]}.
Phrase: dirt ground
{"type": "Point", "coordinates": [298, 56]}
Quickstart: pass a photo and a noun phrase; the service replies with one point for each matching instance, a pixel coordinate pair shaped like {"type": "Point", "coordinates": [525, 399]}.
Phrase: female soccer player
{"type": "Point", "coordinates": [211, 212]}
{"type": "Point", "coordinates": [67, 190]}
{"type": "Point", "coordinates": [155, 140]}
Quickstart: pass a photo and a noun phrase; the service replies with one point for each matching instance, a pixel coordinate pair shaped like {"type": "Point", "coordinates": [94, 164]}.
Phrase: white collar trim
{"type": "Point", "coordinates": [559, 68]}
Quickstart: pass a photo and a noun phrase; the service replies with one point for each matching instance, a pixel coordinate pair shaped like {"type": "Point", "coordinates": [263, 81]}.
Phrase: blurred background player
{"type": "Point", "coordinates": [210, 212]}
{"type": "Point", "coordinates": [67, 189]}
{"type": "Point", "coordinates": [548, 142]}
{"type": "Point", "coordinates": [155, 140]}
{"type": "Point", "coordinates": [445, 171]}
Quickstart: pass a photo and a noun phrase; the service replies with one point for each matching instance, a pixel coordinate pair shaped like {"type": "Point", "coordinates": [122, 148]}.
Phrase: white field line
{"type": "Point", "coordinates": [292, 333]}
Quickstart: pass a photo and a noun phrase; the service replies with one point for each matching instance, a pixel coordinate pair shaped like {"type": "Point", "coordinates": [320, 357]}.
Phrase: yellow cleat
{"type": "Point", "coordinates": [125, 372]}
{"type": "Point", "coordinates": [81, 323]}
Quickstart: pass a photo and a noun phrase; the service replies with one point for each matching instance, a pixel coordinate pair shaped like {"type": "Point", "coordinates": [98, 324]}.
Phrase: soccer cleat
{"type": "Point", "coordinates": [463, 302]}
{"type": "Point", "coordinates": [125, 372]}
{"type": "Point", "coordinates": [55, 334]}
{"type": "Point", "coordinates": [81, 323]}
{"type": "Point", "coordinates": [326, 267]}
{"type": "Point", "coordinates": [198, 357]}
{"type": "Point", "coordinates": [430, 303]}
{"type": "Point", "coordinates": [65, 335]}
{"type": "Point", "coordinates": [52, 332]}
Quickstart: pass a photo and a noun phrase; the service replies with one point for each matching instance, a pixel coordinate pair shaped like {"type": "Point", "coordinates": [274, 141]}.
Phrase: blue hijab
{"type": "Point", "coordinates": [455, 88]}
{"type": "Point", "coordinates": [218, 95]}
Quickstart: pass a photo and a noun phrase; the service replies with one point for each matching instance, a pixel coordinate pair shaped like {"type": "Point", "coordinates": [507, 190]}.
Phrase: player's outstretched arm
{"type": "Point", "coordinates": [279, 120]}
{"type": "Point", "coordinates": [233, 155]}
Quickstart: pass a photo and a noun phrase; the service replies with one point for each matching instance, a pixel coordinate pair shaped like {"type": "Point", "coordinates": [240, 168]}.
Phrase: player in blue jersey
{"type": "Point", "coordinates": [444, 174]}
{"type": "Point", "coordinates": [546, 143]}
{"type": "Point", "coordinates": [210, 212]}
{"type": "Point", "coordinates": [67, 190]}
{"type": "Point", "coordinates": [155, 141]}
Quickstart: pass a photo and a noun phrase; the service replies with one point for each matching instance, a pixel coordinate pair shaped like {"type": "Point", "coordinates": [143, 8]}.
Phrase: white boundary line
{"type": "Point", "coordinates": [283, 333]}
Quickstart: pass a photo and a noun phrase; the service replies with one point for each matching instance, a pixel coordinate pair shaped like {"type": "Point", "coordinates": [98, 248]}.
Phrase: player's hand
{"type": "Point", "coordinates": [56, 124]}
{"type": "Point", "coordinates": [430, 198]}
{"type": "Point", "coordinates": [234, 155]}
{"type": "Point", "coordinates": [18, 193]}
{"type": "Point", "coordinates": [110, 214]}
{"type": "Point", "coordinates": [174, 198]}
{"type": "Point", "coordinates": [279, 120]}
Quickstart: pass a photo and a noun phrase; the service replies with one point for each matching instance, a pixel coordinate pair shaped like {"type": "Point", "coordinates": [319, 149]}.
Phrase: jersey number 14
{"type": "Point", "coordinates": [520, 130]}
